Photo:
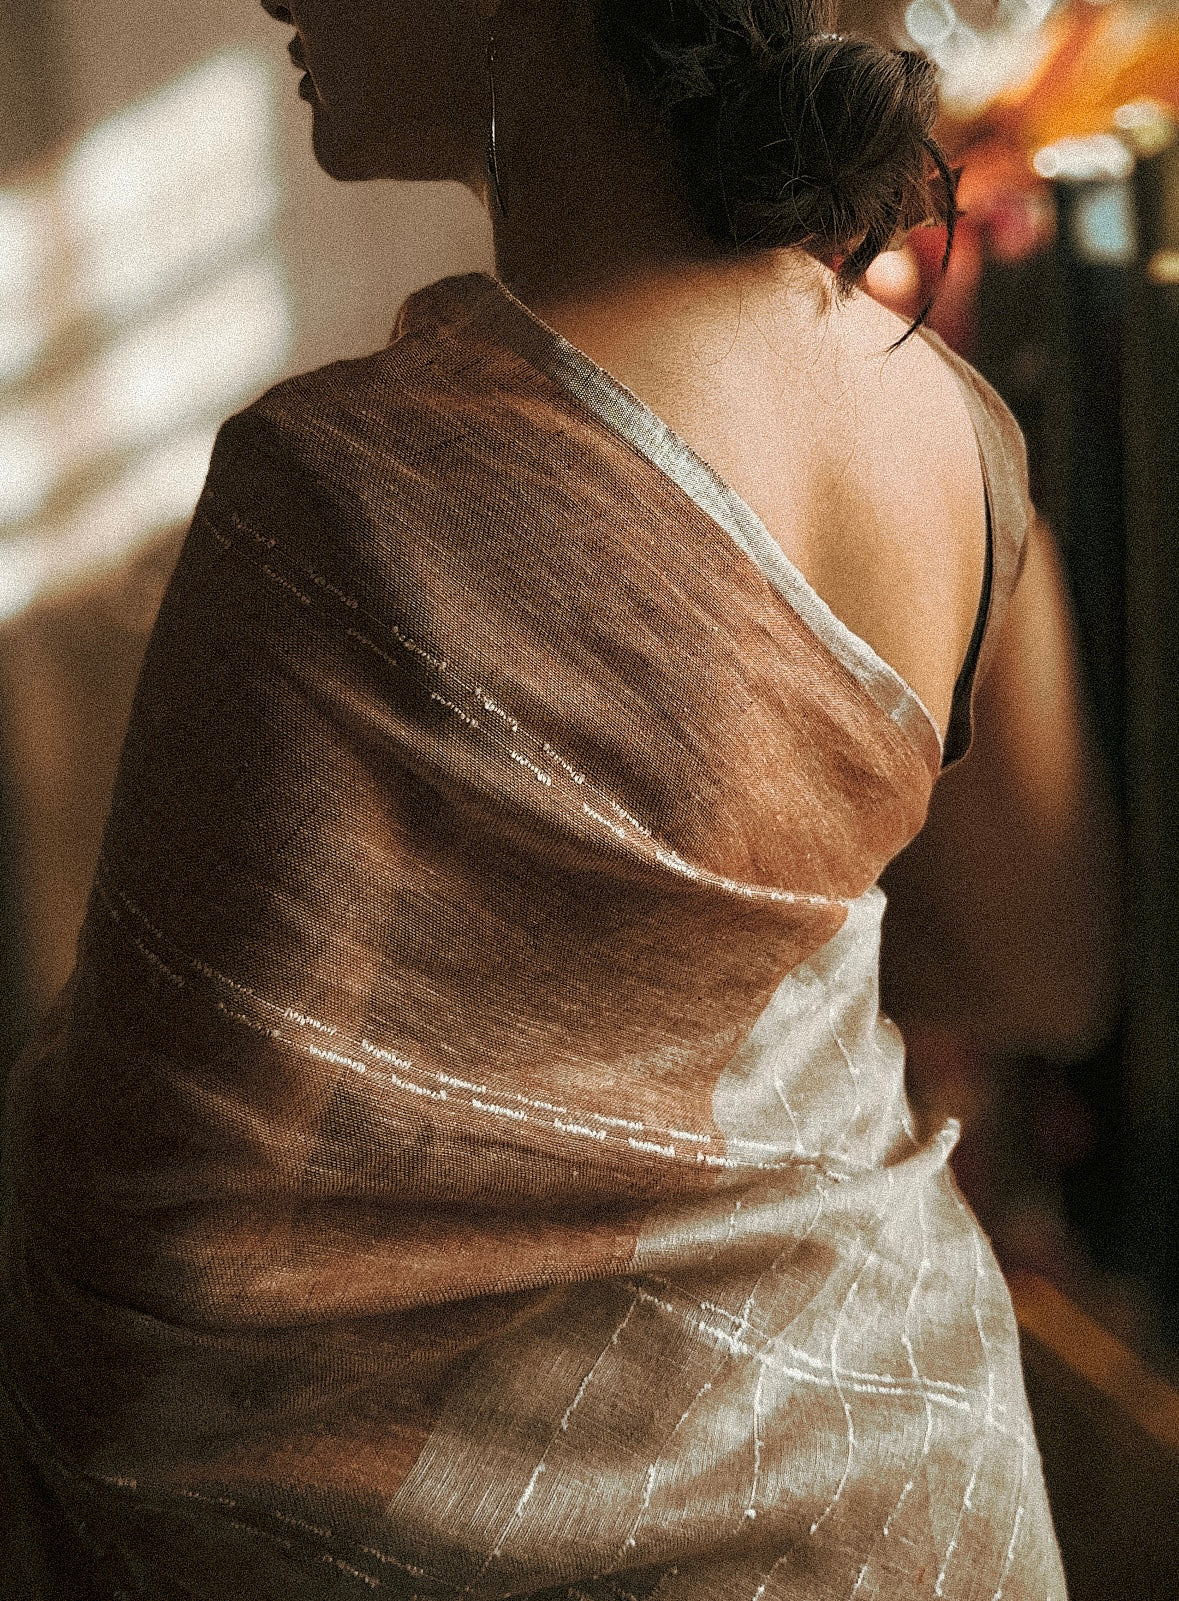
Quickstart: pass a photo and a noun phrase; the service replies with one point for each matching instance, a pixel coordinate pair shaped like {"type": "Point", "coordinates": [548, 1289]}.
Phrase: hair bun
{"type": "Point", "coordinates": [787, 134]}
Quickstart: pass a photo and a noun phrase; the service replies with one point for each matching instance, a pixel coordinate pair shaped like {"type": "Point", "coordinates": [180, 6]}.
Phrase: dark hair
{"type": "Point", "coordinates": [786, 133]}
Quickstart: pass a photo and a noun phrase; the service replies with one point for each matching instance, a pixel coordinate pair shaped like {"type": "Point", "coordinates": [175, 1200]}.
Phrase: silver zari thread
{"type": "Point", "coordinates": [492, 143]}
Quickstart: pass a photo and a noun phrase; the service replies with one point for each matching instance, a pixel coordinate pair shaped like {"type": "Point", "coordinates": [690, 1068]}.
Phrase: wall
{"type": "Point", "coordinates": [68, 660]}
{"type": "Point", "coordinates": [353, 251]}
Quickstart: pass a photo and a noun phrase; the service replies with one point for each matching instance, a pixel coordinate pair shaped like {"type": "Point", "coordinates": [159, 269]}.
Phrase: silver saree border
{"type": "Point", "coordinates": [619, 409]}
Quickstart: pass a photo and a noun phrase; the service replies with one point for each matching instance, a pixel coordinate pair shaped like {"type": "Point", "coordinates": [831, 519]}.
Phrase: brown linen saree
{"type": "Point", "coordinates": [469, 1159]}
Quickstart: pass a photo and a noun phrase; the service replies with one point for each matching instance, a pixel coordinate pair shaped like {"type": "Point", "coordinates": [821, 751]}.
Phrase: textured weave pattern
{"type": "Point", "coordinates": [469, 1160]}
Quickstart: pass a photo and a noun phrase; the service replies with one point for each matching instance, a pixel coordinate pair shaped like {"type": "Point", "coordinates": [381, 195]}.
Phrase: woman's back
{"type": "Point", "coordinates": [861, 459]}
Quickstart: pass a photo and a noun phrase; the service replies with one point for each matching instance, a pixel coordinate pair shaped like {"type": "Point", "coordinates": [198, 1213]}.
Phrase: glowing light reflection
{"type": "Point", "coordinates": [979, 64]}
{"type": "Point", "coordinates": [1163, 267]}
{"type": "Point", "coordinates": [1103, 225]}
{"type": "Point", "coordinates": [930, 23]}
{"type": "Point", "coordinates": [1093, 158]}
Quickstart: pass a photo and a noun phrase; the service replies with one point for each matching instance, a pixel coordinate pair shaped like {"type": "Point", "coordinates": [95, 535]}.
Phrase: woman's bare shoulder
{"type": "Point", "coordinates": [897, 525]}
{"type": "Point", "coordinates": [917, 378]}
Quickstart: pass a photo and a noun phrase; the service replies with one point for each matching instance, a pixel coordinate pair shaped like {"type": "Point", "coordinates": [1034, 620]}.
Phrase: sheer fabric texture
{"type": "Point", "coordinates": [469, 1160]}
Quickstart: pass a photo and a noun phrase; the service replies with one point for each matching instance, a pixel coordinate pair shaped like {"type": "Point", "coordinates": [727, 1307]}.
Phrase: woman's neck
{"type": "Point", "coordinates": [592, 194]}
{"type": "Point", "coordinates": [595, 213]}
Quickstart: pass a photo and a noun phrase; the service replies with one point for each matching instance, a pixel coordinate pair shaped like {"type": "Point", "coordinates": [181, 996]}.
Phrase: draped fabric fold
{"type": "Point", "coordinates": [469, 1159]}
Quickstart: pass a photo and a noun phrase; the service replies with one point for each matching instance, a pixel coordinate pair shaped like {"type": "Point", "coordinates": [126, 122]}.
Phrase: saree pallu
{"type": "Point", "coordinates": [469, 1159]}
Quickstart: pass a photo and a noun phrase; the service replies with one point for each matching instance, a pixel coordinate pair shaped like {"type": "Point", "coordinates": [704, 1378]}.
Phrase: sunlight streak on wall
{"type": "Point", "coordinates": [141, 300]}
{"type": "Point", "coordinates": [165, 188]}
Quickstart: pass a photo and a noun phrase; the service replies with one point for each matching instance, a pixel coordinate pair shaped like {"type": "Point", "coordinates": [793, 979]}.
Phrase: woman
{"type": "Point", "coordinates": [469, 1158]}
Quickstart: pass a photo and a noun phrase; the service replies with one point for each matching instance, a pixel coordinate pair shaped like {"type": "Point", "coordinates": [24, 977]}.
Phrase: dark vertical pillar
{"type": "Point", "coordinates": [1051, 333]}
{"type": "Point", "coordinates": [1051, 330]}
{"type": "Point", "coordinates": [1092, 293]}
{"type": "Point", "coordinates": [1091, 269]}
{"type": "Point", "coordinates": [1152, 445]}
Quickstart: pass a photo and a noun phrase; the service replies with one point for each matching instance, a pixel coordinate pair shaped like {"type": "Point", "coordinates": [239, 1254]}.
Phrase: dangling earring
{"type": "Point", "coordinates": [492, 148]}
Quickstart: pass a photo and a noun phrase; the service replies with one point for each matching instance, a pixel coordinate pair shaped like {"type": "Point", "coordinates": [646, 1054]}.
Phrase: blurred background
{"type": "Point", "coordinates": [168, 249]}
